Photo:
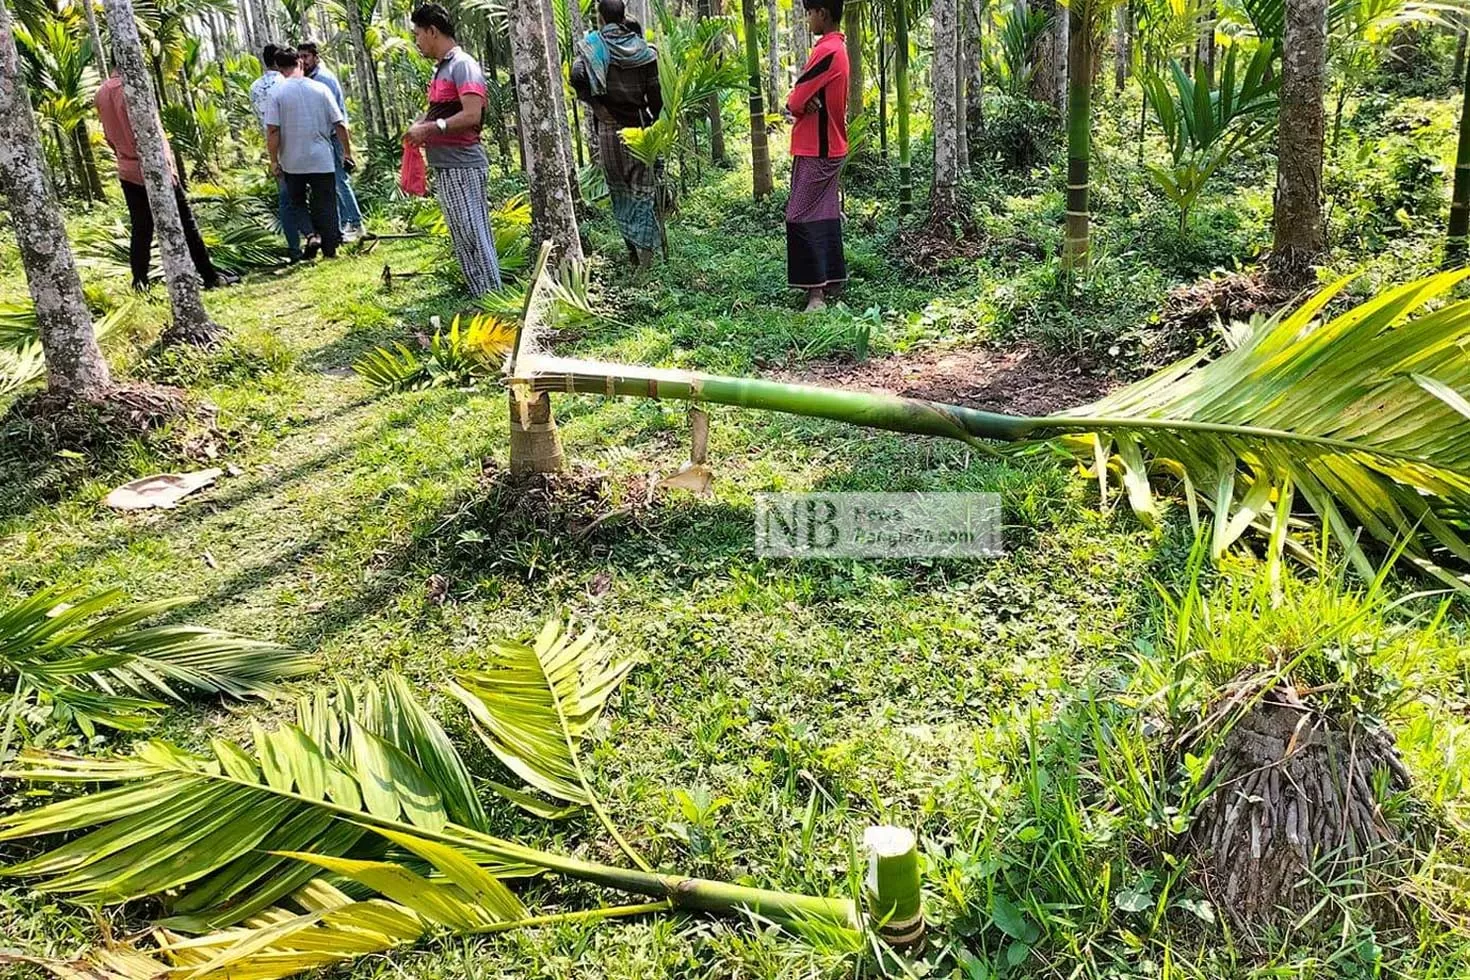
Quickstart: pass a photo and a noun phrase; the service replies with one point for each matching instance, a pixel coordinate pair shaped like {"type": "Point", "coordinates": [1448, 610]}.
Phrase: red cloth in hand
{"type": "Point", "coordinates": [413, 176]}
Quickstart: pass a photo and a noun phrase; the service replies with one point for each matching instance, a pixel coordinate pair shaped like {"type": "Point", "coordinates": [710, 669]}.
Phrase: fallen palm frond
{"type": "Point", "coordinates": [365, 787]}
{"type": "Point", "coordinates": [1363, 418]}
{"type": "Point", "coordinates": [91, 664]}
{"type": "Point", "coordinates": [22, 358]}
{"type": "Point", "coordinates": [533, 706]}
{"type": "Point", "coordinates": [455, 357]}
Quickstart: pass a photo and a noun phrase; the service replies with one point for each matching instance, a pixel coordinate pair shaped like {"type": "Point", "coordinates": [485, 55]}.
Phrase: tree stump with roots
{"type": "Point", "coordinates": [535, 444]}
{"type": "Point", "coordinates": [1298, 794]}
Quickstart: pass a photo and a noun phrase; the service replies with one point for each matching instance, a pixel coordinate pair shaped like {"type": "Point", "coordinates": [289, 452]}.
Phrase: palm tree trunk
{"type": "Point", "coordinates": [191, 322]}
{"type": "Point", "coordinates": [1461, 36]}
{"type": "Point", "coordinates": [581, 118]}
{"type": "Point", "coordinates": [901, 80]}
{"type": "Point", "coordinates": [553, 212]}
{"type": "Point", "coordinates": [1298, 236]}
{"type": "Point", "coordinates": [1460, 196]}
{"type": "Point", "coordinates": [559, 100]}
{"type": "Point", "coordinates": [760, 151]}
{"type": "Point", "coordinates": [1079, 133]}
{"type": "Point", "coordinates": [774, 89]}
{"type": "Point", "coordinates": [1048, 56]}
{"type": "Point", "coordinates": [944, 201]}
{"type": "Point", "coordinates": [497, 117]}
{"type": "Point", "coordinates": [852, 28]}
{"type": "Point", "coordinates": [1122, 45]}
{"type": "Point", "coordinates": [89, 162]}
{"type": "Point", "coordinates": [961, 80]}
{"type": "Point", "coordinates": [75, 368]}
{"type": "Point", "coordinates": [99, 52]}
{"type": "Point", "coordinates": [377, 86]}
{"type": "Point", "coordinates": [361, 61]}
{"type": "Point", "coordinates": [882, 85]}
{"type": "Point", "coordinates": [717, 153]}
{"type": "Point", "coordinates": [974, 21]}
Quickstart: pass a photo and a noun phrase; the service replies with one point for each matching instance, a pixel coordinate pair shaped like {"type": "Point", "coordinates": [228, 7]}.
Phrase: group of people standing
{"type": "Point", "coordinates": [300, 106]}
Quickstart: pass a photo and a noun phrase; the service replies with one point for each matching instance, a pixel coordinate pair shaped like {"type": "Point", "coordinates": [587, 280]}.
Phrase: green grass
{"type": "Point", "coordinates": [1003, 708]}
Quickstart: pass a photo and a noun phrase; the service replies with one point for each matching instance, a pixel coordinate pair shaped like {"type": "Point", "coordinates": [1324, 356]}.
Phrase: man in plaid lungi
{"type": "Point", "coordinates": [450, 134]}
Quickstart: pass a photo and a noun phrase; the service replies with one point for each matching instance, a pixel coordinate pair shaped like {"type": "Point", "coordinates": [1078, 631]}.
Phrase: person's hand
{"type": "Point", "coordinates": [418, 134]}
{"type": "Point", "coordinates": [810, 107]}
{"type": "Point", "coordinates": [276, 171]}
{"type": "Point", "coordinates": [349, 164]}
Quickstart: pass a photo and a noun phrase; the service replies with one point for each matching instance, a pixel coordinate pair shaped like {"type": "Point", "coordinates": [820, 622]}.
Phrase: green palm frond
{"type": "Point", "coordinates": [21, 365]}
{"type": "Point", "coordinates": [1358, 419]}
{"type": "Point", "coordinates": [533, 706]}
{"type": "Point", "coordinates": [393, 369]}
{"type": "Point", "coordinates": [362, 788]}
{"type": "Point", "coordinates": [94, 664]}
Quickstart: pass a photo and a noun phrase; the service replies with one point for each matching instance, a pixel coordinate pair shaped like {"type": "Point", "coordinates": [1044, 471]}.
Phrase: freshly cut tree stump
{"type": "Point", "coordinates": [1297, 797]}
{"type": "Point", "coordinates": [535, 444]}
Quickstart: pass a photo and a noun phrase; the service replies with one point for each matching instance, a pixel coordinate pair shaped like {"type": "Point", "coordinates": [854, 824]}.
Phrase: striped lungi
{"type": "Point", "coordinates": [631, 185]}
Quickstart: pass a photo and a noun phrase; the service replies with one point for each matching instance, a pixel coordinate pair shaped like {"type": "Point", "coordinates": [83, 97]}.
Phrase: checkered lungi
{"type": "Point", "coordinates": [814, 224]}
{"type": "Point", "coordinates": [631, 185]}
{"type": "Point", "coordinates": [461, 196]}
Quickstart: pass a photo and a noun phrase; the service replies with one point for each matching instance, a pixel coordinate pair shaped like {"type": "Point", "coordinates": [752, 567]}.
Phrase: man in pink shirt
{"type": "Point", "coordinates": [118, 130]}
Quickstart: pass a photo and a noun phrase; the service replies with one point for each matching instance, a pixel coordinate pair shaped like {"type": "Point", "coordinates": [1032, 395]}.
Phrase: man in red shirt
{"type": "Point", "coordinates": [117, 129]}
{"type": "Point", "coordinates": [814, 259]}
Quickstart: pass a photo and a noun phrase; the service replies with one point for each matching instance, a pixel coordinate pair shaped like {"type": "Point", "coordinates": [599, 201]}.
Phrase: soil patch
{"type": "Point", "coordinates": [1020, 381]}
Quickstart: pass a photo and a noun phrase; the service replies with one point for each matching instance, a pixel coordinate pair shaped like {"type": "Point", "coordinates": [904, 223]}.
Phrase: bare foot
{"type": "Point", "coordinates": [815, 301]}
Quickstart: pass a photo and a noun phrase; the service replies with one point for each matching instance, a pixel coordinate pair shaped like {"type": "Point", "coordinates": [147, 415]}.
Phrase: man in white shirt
{"type": "Point", "coordinates": [300, 121]}
{"type": "Point", "coordinates": [260, 98]}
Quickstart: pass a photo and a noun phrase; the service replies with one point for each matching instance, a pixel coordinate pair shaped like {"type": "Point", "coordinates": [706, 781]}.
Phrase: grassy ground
{"type": "Point", "coordinates": [781, 706]}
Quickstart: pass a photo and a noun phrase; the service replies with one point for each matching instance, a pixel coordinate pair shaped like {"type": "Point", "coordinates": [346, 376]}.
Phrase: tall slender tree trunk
{"type": "Point", "coordinates": [944, 202]}
{"type": "Point", "coordinates": [973, 12]}
{"type": "Point", "coordinates": [497, 117]}
{"type": "Point", "coordinates": [901, 81]}
{"type": "Point", "coordinates": [377, 87]}
{"type": "Point", "coordinates": [1461, 36]}
{"type": "Point", "coordinates": [89, 161]}
{"type": "Point", "coordinates": [1049, 55]}
{"type": "Point", "coordinates": [961, 80]}
{"type": "Point", "coordinates": [191, 322]}
{"type": "Point", "coordinates": [553, 210]}
{"type": "Point", "coordinates": [775, 90]}
{"type": "Point", "coordinates": [362, 63]}
{"type": "Point", "coordinates": [799, 39]}
{"type": "Point", "coordinates": [1122, 44]}
{"type": "Point", "coordinates": [717, 153]}
{"type": "Point", "coordinates": [584, 118]}
{"type": "Point", "coordinates": [1460, 196]}
{"type": "Point", "coordinates": [1079, 132]}
{"type": "Point", "coordinates": [559, 99]}
{"type": "Point", "coordinates": [760, 151]}
{"type": "Point", "coordinates": [99, 51]}
{"type": "Point", "coordinates": [1298, 236]}
{"type": "Point", "coordinates": [75, 367]}
{"type": "Point", "coordinates": [882, 86]}
{"type": "Point", "coordinates": [852, 29]}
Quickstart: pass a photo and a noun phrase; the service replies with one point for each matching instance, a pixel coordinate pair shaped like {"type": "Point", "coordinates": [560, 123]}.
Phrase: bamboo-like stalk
{"type": "Point", "coordinates": [876, 410]}
{"type": "Point", "coordinates": [760, 151]}
{"type": "Point", "coordinates": [1079, 133]}
{"type": "Point", "coordinates": [901, 79]}
{"type": "Point", "coordinates": [1460, 195]}
{"type": "Point", "coordinates": [895, 892]}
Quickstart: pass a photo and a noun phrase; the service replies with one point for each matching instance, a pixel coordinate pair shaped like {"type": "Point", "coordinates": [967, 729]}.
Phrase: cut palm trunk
{"type": "Point", "coordinates": [895, 894]}
{"type": "Point", "coordinates": [535, 444]}
{"type": "Point", "coordinates": [1362, 418]}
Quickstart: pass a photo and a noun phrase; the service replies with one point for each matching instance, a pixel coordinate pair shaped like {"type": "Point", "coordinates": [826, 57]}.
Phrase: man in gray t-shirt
{"type": "Point", "coordinates": [450, 134]}
{"type": "Point", "coordinates": [301, 118]}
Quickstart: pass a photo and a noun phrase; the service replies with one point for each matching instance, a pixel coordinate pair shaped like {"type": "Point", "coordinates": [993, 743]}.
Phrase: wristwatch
{"type": "Point", "coordinates": [442, 124]}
